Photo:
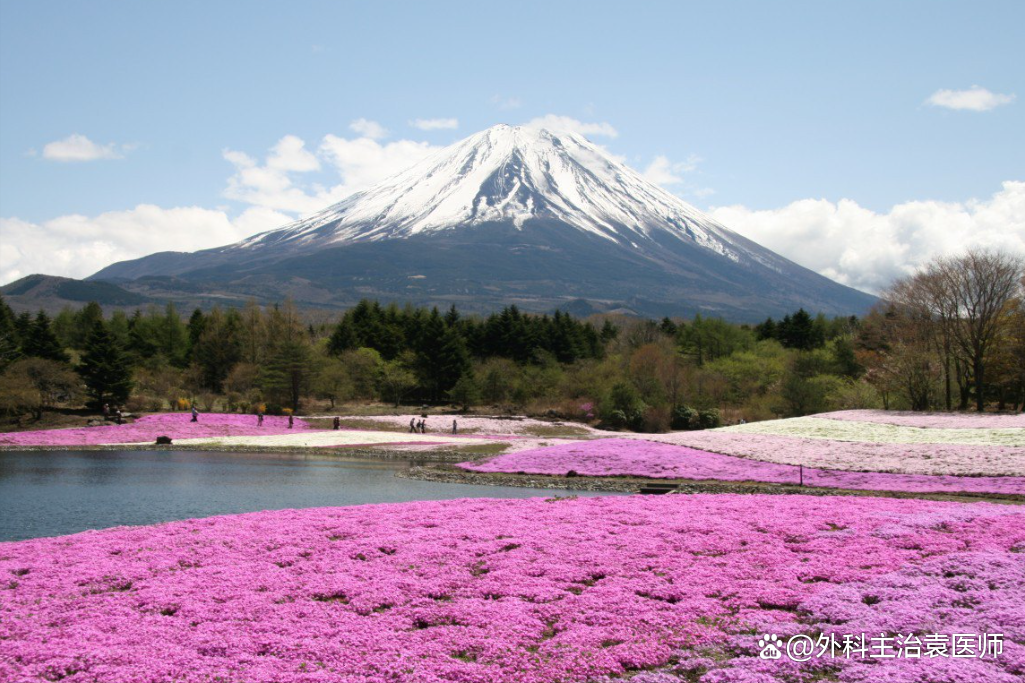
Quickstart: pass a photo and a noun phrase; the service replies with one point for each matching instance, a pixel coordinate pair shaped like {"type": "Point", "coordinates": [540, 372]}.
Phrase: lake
{"type": "Point", "coordinates": [52, 493]}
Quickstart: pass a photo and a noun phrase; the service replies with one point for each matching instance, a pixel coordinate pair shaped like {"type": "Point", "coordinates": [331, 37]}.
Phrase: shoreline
{"type": "Point", "coordinates": [445, 473]}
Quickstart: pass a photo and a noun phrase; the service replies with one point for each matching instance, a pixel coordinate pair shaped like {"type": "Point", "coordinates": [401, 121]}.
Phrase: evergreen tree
{"type": "Point", "coordinates": [84, 321]}
{"type": "Point", "coordinates": [766, 330]}
{"type": "Point", "coordinates": [451, 362]}
{"type": "Point", "coordinates": [22, 327]}
{"type": "Point", "coordinates": [42, 342]}
{"type": "Point", "coordinates": [608, 332]}
{"type": "Point", "coordinates": [218, 347]}
{"type": "Point", "coordinates": [197, 324]}
{"type": "Point", "coordinates": [105, 368]}
{"type": "Point", "coordinates": [10, 348]}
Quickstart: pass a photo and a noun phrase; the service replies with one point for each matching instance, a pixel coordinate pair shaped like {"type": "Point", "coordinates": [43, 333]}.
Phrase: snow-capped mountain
{"type": "Point", "coordinates": [510, 214]}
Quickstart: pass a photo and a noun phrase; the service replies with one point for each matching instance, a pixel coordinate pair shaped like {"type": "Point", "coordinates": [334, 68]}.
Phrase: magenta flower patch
{"type": "Point", "coordinates": [532, 591]}
{"type": "Point", "coordinates": [631, 457]}
{"type": "Point", "coordinates": [147, 429]}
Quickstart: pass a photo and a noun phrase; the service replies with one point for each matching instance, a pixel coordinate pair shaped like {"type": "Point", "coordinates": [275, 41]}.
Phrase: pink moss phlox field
{"type": "Point", "coordinates": [931, 458]}
{"type": "Point", "coordinates": [629, 457]}
{"type": "Point", "coordinates": [147, 429]}
{"type": "Point", "coordinates": [929, 420]}
{"type": "Point", "coordinates": [492, 426]}
{"type": "Point", "coordinates": [532, 591]}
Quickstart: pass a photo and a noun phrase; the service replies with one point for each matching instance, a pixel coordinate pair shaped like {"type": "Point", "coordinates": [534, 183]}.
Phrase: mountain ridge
{"type": "Point", "coordinates": [510, 214]}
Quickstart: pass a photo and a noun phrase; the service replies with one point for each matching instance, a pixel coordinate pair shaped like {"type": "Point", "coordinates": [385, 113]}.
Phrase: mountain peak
{"type": "Point", "coordinates": [512, 174]}
{"type": "Point", "coordinates": [511, 214]}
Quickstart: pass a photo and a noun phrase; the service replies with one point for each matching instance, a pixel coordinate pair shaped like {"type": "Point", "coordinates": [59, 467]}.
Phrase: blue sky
{"type": "Point", "coordinates": [749, 107]}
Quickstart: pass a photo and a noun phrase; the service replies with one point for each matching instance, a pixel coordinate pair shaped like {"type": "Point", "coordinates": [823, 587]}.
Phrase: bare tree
{"type": "Point", "coordinates": [981, 286]}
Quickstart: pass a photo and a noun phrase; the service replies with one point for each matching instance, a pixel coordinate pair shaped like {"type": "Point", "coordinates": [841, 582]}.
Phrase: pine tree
{"type": "Point", "coordinates": [10, 348]}
{"type": "Point", "coordinates": [105, 368]}
{"type": "Point", "coordinates": [42, 342]}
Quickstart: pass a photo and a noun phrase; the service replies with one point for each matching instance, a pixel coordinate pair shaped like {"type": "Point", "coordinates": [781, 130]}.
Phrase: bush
{"type": "Point", "coordinates": [709, 419]}
{"type": "Point", "coordinates": [684, 417]}
{"type": "Point", "coordinates": [144, 403]}
{"type": "Point", "coordinates": [615, 420]}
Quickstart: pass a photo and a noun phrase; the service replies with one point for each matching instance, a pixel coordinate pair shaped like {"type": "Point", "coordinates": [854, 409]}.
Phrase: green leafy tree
{"type": "Point", "coordinates": [333, 381]}
{"type": "Point", "coordinates": [395, 380]}
{"type": "Point", "coordinates": [466, 391]}
{"type": "Point", "coordinates": [40, 384]}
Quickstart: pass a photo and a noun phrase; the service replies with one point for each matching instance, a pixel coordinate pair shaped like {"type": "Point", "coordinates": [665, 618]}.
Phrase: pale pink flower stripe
{"type": "Point", "coordinates": [492, 426]}
{"type": "Point", "coordinates": [147, 429]}
{"type": "Point", "coordinates": [627, 457]}
{"type": "Point", "coordinates": [931, 458]}
{"type": "Point", "coordinates": [476, 591]}
{"type": "Point", "coordinates": [929, 420]}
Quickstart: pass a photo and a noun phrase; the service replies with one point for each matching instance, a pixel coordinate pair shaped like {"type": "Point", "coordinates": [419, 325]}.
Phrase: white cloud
{"type": "Point", "coordinates": [506, 102]}
{"type": "Point", "coordinates": [435, 124]}
{"type": "Point", "coordinates": [357, 163]}
{"type": "Point", "coordinates": [77, 147]}
{"type": "Point", "coordinates": [867, 250]}
{"type": "Point", "coordinates": [567, 123]}
{"type": "Point", "coordinates": [974, 98]}
{"type": "Point", "coordinates": [369, 129]}
{"type": "Point", "coordinates": [661, 171]}
{"type": "Point", "coordinates": [363, 162]}
{"type": "Point", "coordinates": [77, 246]}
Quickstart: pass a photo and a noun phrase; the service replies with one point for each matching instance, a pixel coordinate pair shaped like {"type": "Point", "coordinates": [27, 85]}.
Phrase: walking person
{"type": "Point", "coordinates": [195, 413]}
{"type": "Point", "coordinates": [106, 411]}
{"type": "Point", "coordinates": [259, 417]}
{"type": "Point", "coordinates": [423, 426]}
{"type": "Point", "coordinates": [455, 427]}
{"type": "Point", "coordinates": [412, 425]}
{"type": "Point", "coordinates": [117, 415]}
{"type": "Point", "coordinates": [337, 424]}
{"type": "Point", "coordinates": [291, 420]}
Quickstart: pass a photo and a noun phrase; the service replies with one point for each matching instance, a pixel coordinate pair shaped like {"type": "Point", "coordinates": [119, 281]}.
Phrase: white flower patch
{"type": "Point", "coordinates": [874, 432]}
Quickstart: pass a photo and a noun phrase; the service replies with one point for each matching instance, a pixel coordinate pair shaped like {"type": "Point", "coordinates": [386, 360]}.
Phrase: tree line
{"type": "Point", "coordinates": [948, 337]}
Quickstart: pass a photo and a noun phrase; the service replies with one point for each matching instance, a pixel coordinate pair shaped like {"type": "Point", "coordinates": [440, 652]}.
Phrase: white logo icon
{"type": "Point", "coordinates": [768, 644]}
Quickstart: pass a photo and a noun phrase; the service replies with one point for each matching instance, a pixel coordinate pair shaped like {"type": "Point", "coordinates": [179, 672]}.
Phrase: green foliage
{"type": "Point", "coordinates": [706, 339]}
{"type": "Point", "coordinates": [10, 346]}
{"type": "Point", "coordinates": [395, 379]}
{"type": "Point", "coordinates": [466, 391]}
{"type": "Point", "coordinates": [41, 342]}
{"type": "Point", "coordinates": [38, 384]}
{"type": "Point", "coordinates": [623, 407]}
{"type": "Point", "coordinates": [684, 417]}
{"type": "Point", "coordinates": [105, 368]}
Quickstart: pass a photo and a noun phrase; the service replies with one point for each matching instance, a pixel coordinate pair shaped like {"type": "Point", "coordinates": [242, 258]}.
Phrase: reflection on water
{"type": "Point", "coordinates": [64, 492]}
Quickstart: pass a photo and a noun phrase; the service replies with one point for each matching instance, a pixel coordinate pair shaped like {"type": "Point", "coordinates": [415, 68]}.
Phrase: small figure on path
{"type": "Point", "coordinates": [117, 415]}
{"type": "Point", "coordinates": [106, 410]}
{"type": "Point", "coordinates": [195, 414]}
{"type": "Point", "coordinates": [291, 420]}
{"type": "Point", "coordinates": [455, 427]}
{"type": "Point", "coordinates": [423, 426]}
{"type": "Point", "coordinates": [259, 418]}
{"type": "Point", "coordinates": [337, 424]}
{"type": "Point", "coordinates": [412, 425]}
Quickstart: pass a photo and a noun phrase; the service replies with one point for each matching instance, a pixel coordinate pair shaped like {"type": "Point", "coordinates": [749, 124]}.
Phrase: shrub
{"type": "Point", "coordinates": [683, 417]}
{"type": "Point", "coordinates": [709, 419]}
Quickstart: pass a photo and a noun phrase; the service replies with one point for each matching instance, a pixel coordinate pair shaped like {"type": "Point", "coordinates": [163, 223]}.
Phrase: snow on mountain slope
{"type": "Point", "coordinates": [512, 173]}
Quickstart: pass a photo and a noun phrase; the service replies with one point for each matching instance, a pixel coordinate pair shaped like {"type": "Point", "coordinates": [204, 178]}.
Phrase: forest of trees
{"type": "Point", "coordinates": [952, 336]}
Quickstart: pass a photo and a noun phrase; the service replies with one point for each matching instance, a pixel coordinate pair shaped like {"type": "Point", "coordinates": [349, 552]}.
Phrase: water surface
{"type": "Point", "coordinates": [51, 493]}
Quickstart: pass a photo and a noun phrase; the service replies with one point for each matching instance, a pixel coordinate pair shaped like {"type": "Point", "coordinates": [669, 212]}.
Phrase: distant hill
{"type": "Point", "coordinates": [52, 293]}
